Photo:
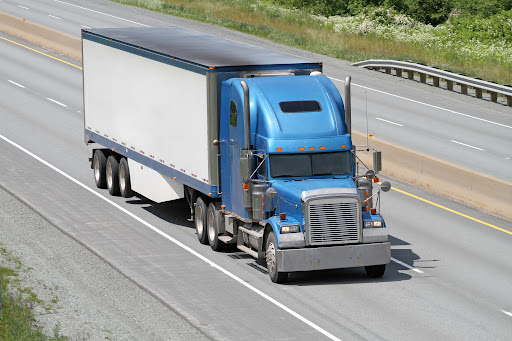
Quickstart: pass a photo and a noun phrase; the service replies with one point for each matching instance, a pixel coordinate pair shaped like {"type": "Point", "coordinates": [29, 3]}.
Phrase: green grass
{"type": "Point", "coordinates": [321, 35]}
{"type": "Point", "coordinates": [17, 321]}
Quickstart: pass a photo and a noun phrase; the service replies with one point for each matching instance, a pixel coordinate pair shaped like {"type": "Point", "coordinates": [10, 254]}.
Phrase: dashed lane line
{"type": "Point", "coordinates": [467, 145]}
{"type": "Point", "coordinates": [108, 15]}
{"type": "Point", "coordinates": [56, 102]}
{"type": "Point", "coordinates": [383, 120]}
{"type": "Point", "coordinates": [17, 84]}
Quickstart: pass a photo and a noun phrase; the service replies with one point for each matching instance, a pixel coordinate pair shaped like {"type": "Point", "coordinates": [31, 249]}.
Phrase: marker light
{"type": "Point", "coordinates": [279, 149]}
{"type": "Point", "coordinates": [311, 148]}
{"type": "Point", "coordinates": [344, 146]}
{"type": "Point", "coordinates": [322, 148]}
{"type": "Point", "coordinates": [301, 148]}
{"type": "Point", "coordinates": [376, 179]}
{"type": "Point", "coordinates": [245, 186]}
{"type": "Point", "coordinates": [373, 211]}
{"type": "Point", "coordinates": [282, 216]}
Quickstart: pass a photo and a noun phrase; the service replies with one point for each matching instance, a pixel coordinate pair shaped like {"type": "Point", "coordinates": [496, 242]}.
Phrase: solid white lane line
{"type": "Point", "coordinates": [428, 105]}
{"type": "Point", "coordinates": [23, 7]}
{"type": "Point", "coordinates": [398, 124]}
{"type": "Point", "coordinates": [467, 145]}
{"type": "Point", "coordinates": [85, 26]}
{"type": "Point", "coordinates": [56, 102]}
{"type": "Point", "coordinates": [407, 266]}
{"type": "Point", "coordinates": [506, 312]}
{"type": "Point", "coordinates": [177, 242]}
{"type": "Point", "coordinates": [21, 86]}
{"type": "Point", "coordinates": [53, 16]}
{"type": "Point", "coordinates": [108, 15]}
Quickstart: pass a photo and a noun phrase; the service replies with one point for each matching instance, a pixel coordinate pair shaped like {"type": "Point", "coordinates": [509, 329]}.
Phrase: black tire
{"type": "Point", "coordinates": [213, 221]}
{"type": "Point", "coordinates": [200, 220]}
{"type": "Point", "coordinates": [125, 186]}
{"type": "Point", "coordinates": [375, 271]}
{"type": "Point", "coordinates": [99, 163]}
{"type": "Point", "coordinates": [271, 258]}
{"type": "Point", "coordinates": [112, 175]}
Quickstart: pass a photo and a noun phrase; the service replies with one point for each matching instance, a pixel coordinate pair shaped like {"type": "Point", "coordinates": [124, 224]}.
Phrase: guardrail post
{"type": "Point", "coordinates": [410, 74]}
{"type": "Point", "coordinates": [435, 81]}
{"type": "Point", "coordinates": [423, 78]}
{"type": "Point", "coordinates": [449, 85]}
{"type": "Point", "coordinates": [398, 72]}
{"type": "Point", "coordinates": [494, 96]}
{"type": "Point", "coordinates": [509, 101]}
{"type": "Point", "coordinates": [464, 89]}
{"type": "Point", "coordinates": [388, 69]}
{"type": "Point", "coordinates": [478, 93]}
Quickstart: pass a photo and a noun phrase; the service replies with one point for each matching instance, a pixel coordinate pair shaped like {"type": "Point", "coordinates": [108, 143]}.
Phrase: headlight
{"type": "Point", "coordinates": [373, 223]}
{"type": "Point", "coordinates": [290, 228]}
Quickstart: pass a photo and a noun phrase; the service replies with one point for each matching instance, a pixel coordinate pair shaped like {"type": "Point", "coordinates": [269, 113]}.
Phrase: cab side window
{"type": "Point", "coordinates": [232, 114]}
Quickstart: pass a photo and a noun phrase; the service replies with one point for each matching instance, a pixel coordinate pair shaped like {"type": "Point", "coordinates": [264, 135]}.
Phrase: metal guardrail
{"type": "Point", "coordinates": [436, 74]}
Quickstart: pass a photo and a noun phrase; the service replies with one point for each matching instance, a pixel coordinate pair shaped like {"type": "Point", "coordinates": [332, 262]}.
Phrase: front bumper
{"type": "Point", "coordinates": [333, 257]}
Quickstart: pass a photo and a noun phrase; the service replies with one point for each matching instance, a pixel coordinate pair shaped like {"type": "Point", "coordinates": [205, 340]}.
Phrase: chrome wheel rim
{"type": "Point", "coordinates": [96, 168]}
{"type": "Point", "coordinates": [271, 258]}
{"type": "Point", "coordinates": [199, 220]}
{"type": "Point", "coordinates": [122, 180]}
{"type": "Point", "coordinates": [109, 175]}
{"type": "Point", "coordinates": [211, 227]}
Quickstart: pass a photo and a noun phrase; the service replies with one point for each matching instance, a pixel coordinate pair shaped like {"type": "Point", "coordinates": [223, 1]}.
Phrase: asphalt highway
{"type": "Point", "coordinates": [468, 132]}
{"type": "Point", "coordinates": [450, 277]}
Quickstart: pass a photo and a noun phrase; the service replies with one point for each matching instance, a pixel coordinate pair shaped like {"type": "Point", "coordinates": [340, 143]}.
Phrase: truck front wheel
{"type": "Point", "coordinates": [375, 271]}
{"type": "Point", "coordinates": [112, 175]}
{"type": "Point", "coordinates": [271, 257]}
{"type": "Point", "coordinates": [200, 221]}
{"type": "Point", "coordinates": [99, 163]}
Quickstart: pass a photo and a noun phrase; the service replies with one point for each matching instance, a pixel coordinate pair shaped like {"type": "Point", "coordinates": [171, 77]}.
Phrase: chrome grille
{"type": "Point", "coordinates": [334, 221]}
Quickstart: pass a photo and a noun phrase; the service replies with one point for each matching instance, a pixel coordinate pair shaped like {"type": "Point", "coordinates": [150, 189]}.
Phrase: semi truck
{"type": "Point", "coordinates": [258, 142]}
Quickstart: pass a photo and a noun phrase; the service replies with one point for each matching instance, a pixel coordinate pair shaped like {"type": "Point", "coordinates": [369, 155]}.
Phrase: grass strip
{"type": "Point", "coordinates": [17, 317]}
{"type": "Point", "coordinates": [302, 30]}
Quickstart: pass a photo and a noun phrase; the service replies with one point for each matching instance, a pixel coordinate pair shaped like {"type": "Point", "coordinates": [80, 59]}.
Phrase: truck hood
{"type": "Point", "coordinates": [294, 190]}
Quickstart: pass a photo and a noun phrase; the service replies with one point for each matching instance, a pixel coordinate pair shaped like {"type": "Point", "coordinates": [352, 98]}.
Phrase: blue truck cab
{"type": "Point", "coordinates": [291, 177]}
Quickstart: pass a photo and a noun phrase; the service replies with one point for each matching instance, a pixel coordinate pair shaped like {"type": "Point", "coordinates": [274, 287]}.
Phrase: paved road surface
{"type": "Point", "coordinates": [454, 284]}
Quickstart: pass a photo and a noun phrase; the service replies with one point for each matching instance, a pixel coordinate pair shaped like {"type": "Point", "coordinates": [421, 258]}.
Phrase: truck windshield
{"type": "Point", "coordinates": [303, 165]}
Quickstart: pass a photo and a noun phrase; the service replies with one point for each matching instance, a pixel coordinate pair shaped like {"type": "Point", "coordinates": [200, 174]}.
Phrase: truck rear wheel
{"type": "Point", "coordinates": [99, 162]}
{"type": "Point", "coordinates": [125, 187]}
{"type": "Point", "coordinates": [271, 257]}
{"type": "Point", "coordinates": [375, 271]}
{"type": "Point", "coordinates": [112, 175]}
{"type": "Point", "coordinates": [200, 221]}
{"type": "Point", "coordinates": [213, 222]}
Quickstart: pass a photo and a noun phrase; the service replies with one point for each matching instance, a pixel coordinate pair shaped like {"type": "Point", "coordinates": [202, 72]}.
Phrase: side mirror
{"type": "Point", "coordinates": [271, 192]}
{"type": "Point", "coordinates": [370, 174]}
{"type": "Point", "coordinates": [386, 186]}
{"type": "Point", "coordinates": [377, 161]}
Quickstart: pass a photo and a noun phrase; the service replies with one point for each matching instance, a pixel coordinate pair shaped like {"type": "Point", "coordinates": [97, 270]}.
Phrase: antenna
{"type": "Point", "coordinates": [366, 109]}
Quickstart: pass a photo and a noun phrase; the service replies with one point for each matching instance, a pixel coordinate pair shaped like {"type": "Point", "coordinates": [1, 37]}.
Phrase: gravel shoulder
{"type": "Point", "coordinates": [88, 298]}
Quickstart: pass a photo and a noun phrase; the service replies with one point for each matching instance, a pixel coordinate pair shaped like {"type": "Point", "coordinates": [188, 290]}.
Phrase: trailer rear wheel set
{"type": "Point", "coordinates": [111, 172]}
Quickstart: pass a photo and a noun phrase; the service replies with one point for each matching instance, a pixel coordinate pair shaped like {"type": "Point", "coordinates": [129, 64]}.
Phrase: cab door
{"type": "Point", "coordinates": [232, 139]}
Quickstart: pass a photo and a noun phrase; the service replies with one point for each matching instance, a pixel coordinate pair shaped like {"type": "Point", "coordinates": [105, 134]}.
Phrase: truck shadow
{"type": "Point", "coordinates": [177, 212]}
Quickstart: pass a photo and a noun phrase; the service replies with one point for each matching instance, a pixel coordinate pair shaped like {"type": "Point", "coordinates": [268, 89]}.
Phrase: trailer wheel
{"type": "Point", "coordinates": [112, 175]}
{"type": "Point", "coordinates": [200, 221]}
{"type": "Point", "coordinates": [271, 257]}
{"type": "Point", "coordinates": [375, 271]}
{"type": "Point", "coordinates": [213, 222]}
{"type": "Point", "coordinates": [99, 162]}
{"type": "Point", "coordinates": [125, 186]}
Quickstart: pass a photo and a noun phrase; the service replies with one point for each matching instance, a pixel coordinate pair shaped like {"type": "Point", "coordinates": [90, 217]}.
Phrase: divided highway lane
{"type": "Point", "coordinates": [455, 128]}
{"type": "Point", "coordinates": [458, 288]}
